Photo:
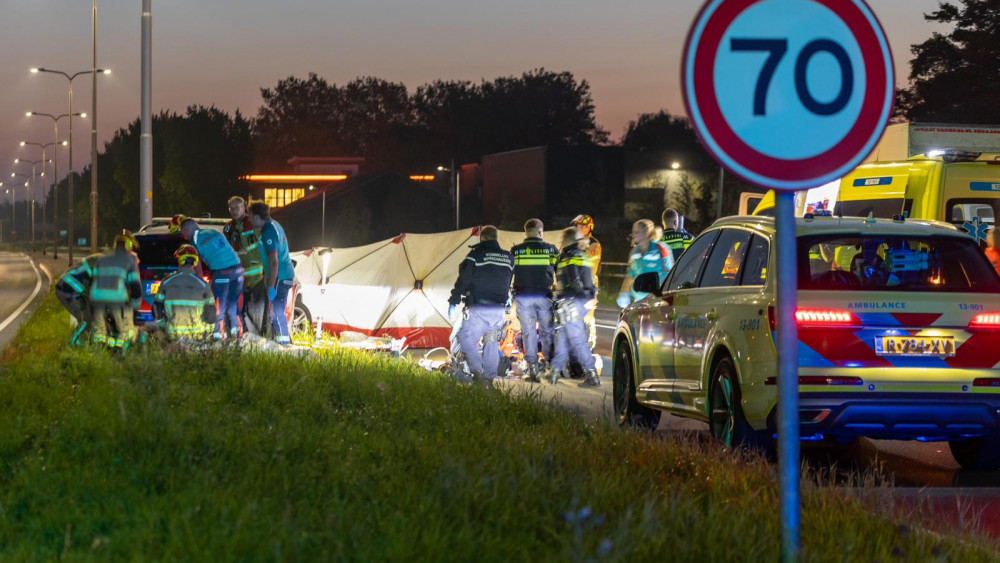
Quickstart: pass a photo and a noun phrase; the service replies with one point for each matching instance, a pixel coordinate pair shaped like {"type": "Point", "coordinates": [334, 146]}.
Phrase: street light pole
{"type": "Point", "coordinates": [55, 190]}
{"type": "Point", "coordinates": [69, 78]}
{"type": "Point", "coordinates": [34, 192]}
{"type": "Point", "coordinates": [146, 135]}
{"type": "Point", "coordinates": [44, 147]}
{"type": "Point", "coordinates": [93, 143]}
{"type": "Point", "coordinates": [27, 197]}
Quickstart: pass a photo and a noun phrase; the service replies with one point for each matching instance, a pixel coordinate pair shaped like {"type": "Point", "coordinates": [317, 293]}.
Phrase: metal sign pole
{"type": "Point", "coordinates": [788, 376]}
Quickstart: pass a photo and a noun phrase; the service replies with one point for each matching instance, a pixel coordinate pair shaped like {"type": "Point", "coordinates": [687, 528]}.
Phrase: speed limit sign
{"type": "Point", "coordinates": [788, 94]}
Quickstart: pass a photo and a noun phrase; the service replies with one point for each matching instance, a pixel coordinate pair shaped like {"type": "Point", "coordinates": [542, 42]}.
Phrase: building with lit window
{"type": "Point", "coordinates": [307, 174]}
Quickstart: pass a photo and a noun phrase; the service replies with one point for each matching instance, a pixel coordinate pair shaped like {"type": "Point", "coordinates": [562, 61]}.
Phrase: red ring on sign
{"type": "Point", "coordinates": [735, 149]}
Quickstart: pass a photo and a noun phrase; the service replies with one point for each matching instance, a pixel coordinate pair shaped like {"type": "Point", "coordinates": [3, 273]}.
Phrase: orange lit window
{"type": "Point", "coordinates": [280, 197]}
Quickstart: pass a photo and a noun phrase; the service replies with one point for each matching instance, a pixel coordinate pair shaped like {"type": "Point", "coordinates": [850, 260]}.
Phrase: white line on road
{"type": "Point", "coordinates": [38, 287]}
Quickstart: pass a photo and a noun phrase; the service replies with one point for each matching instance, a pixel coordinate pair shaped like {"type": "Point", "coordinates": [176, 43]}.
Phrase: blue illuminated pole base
{"type": "Point", "coordinates": [788, 377]}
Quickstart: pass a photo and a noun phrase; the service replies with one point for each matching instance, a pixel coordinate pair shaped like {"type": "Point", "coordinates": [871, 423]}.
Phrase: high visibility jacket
{"type": "Point", "coordinates": [573, 275]}
{"type": "Point", "coordinates": [77, 280]}
{"type": "Point", "coordinates": [677, 241]}
{"type": "Point", "coordinates": [534, 267]}
{"type": "Point", "coordinates": [484, 276]}
{"type": "Point", "coordinates": [593, 253]}
{"type": "Point", "coordinates": [185, 306]}
{"type": "Point", "coordinates": [116, 279]}
{"type": "Point", "coordinates": [244, 241]}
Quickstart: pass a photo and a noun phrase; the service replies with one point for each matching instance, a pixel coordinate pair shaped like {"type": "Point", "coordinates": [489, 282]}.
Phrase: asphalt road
{"type": "Point", "coordinates": [922, 474]}
{"type": "Point", "coordinates": [21, 285]}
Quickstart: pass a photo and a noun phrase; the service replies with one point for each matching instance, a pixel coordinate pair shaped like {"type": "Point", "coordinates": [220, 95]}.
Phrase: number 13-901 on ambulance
{"type": "Point", "coordinates": [898, 324]}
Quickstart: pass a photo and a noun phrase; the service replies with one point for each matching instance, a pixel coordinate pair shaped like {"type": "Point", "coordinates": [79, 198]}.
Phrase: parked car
{"type": "Point", "coordinates": [156, 262]}
{"type": "Point", "coordinates": [899, 336]}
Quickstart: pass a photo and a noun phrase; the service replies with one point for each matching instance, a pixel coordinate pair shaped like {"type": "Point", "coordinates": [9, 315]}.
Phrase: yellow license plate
{"type": "Point", "coordinates": [154, 287]}
{"type": "Point", "coordinates": [942, 346]}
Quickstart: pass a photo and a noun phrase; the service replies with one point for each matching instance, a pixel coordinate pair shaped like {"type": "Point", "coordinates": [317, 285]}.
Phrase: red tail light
{"type": "Point", "coordinates": [806, 317]}
{"type": "Point", "coordinates": [985, 321]}
{"type": "Point", "coordinates": [986, 382]}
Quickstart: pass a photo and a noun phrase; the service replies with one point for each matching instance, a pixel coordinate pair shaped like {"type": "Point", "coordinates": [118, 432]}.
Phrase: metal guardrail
{"type": "Point", "coordinates": [613, 269]}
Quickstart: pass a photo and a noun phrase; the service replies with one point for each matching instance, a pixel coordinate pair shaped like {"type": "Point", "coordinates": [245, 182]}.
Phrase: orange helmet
{"type": "Point", "coordinates": [187, 253]}
{"type": "Point", "coordinates": [125, 240]}
{"type": "Point", "coordinates": [176, 221]}
{"type": "Point", "coordinates": [584, 221]}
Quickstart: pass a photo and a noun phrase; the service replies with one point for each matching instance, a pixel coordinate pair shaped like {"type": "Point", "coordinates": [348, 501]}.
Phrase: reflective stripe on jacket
{"type": "Point", "coordinates": [116, 279]}
{"type": "Point", "coordinates": [534, 266]}
{"type": "Point", "coordinates": [185, 306]}
{"type": "Point", "coordinates": [573, 274]}
{"type": "Point", "coordinates": [244, 241]}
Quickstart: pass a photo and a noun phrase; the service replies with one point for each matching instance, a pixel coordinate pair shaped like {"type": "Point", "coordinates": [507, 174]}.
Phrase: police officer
{"type": "Point", "coordinates": [584, 225]}
{"type": "Point", "coordinates": [674, 236]}
{"type": "Point", "coordinates": [243, 238]}
{"type": "Point", "coordinates": [484, 282]}
{"type": "Point", "coordinates": [184, 306]}
{"type": "Point", "coordinates": [227, 271]}
{"type": "Point", "coordinates": [279, 272]}
{"type": "Point", "coordinates": [534, 271]}
{"type": "Point", "coordinates": [574, 288]}
{"type": "Point", "coordinates": [115, 294]}
{"type": "Point", "coordinates": [646, 256]}
{"type": "Point", "coordinates": [73, 291]}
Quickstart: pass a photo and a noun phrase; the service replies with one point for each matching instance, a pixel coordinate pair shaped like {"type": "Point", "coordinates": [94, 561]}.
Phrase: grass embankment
{"type": "Point", "coordinates": [221, 457]}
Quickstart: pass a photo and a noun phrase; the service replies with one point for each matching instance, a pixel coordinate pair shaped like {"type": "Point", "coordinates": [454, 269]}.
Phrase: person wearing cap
{"type": "Point", "coordinates": [115, 294]}
{"type": "Point", "coordinates": [674, 236]}
{"type": "Point", "coordinates": [227, 272]}
{"type": "Point", "coordinates": [184, 306]}
{"type": "Point", "coordinates": [584, 225]}
{"type": "Point", "coordinates": [243, 238]}
{"type": "Point", "coordinates": [534, 275]}
{"type": "Point", "coordinates": [279, 272]}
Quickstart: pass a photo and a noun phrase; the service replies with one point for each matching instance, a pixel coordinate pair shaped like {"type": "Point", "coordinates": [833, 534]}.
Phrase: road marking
{"type": "Point", "coordinates": [38, 287]}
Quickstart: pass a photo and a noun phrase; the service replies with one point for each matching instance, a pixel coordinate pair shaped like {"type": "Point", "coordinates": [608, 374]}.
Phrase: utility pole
{"type": "Point", "coordinates": [93, 143]}
{"type": "Point", "coordinates": [146, 140]}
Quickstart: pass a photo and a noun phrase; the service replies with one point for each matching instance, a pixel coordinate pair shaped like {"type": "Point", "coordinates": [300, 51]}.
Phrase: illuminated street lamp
{"type": "Point", "coordinates": [43, 146]}
{"type": "Point", "coordinates": [55, 173]}
{"type": "Point", "coordinates": [675, 165]}
{"type": "Point", "coordinates": [34, 193]}
{"type": "Point", "coordinates": [69, 78]}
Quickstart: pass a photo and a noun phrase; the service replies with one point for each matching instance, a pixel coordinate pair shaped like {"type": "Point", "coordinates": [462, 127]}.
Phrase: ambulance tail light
{"type": "Point", "coordinates": [809, 317]}
{"type": "Point", "coordinates": [986, 382]}
{"type": "Point", "coordinates": [985, 321]}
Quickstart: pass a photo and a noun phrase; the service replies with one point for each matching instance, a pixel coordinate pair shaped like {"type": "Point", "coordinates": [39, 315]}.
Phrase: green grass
{"type": "Point", "coordinates": [354, 457]}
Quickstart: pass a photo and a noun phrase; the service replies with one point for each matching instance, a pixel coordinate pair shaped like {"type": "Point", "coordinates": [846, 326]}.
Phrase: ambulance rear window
{"type": "Point", "coordinates": [880, 208]}
{"type": "Point", "coordinates": [894, 263]}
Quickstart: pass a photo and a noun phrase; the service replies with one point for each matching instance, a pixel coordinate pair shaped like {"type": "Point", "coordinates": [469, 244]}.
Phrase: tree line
{"type": "Point", "coordinates": [198, 155]}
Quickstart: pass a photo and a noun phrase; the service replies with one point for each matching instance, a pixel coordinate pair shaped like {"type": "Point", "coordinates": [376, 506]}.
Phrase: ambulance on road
{"type": "Point", "coordinates": [899, 336]}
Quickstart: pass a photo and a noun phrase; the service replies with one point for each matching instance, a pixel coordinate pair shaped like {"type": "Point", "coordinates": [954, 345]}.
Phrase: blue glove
{"type": "Point", "coordinates": [451, 311]}
{"type": "Point", "coordinates": [271, 293]}
{"type": "Point", "coordinates": [624, 300]}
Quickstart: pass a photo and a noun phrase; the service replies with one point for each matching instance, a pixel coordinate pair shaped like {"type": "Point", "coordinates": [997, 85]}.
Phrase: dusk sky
{"type": "Point", "coordinates": [221, 53]}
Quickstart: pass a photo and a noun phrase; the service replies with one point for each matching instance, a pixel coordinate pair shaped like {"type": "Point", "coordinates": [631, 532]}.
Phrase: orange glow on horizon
{"type": "Point", "coordinates": [291, 178]}
{"type": "Point", "coordinates": [423, 178]}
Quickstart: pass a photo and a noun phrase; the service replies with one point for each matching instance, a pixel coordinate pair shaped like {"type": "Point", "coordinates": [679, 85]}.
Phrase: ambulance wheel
{"type": "Point", "coordinates": [301, 326]}
{"type": "Point", "coordinates": [977, 454]}
{"type": "Point", "coordinates": [725, 412]}
{"type": "Point", "coordinates": [628, 411]}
